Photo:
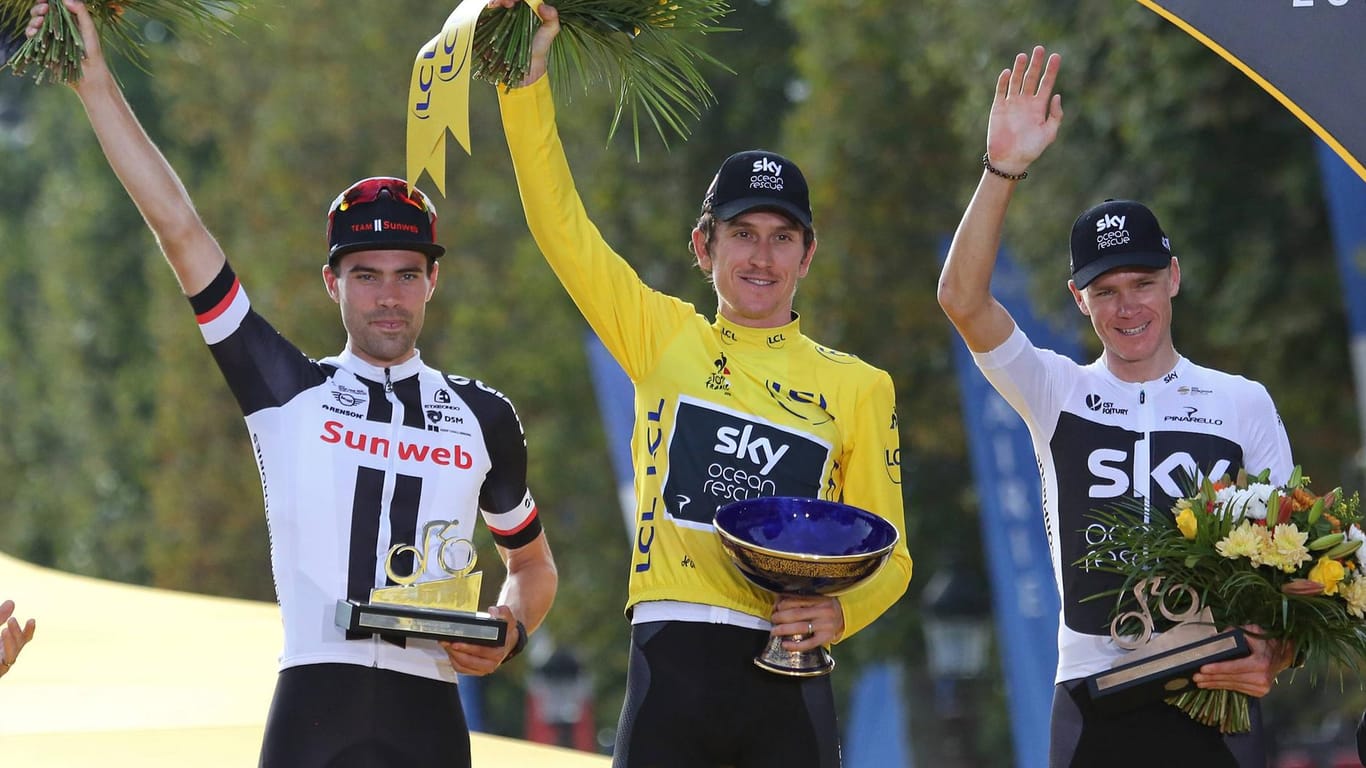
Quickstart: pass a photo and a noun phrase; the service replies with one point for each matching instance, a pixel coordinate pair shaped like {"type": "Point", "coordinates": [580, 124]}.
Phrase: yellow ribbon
{"type": "Point", "coordinates": [439, 93]}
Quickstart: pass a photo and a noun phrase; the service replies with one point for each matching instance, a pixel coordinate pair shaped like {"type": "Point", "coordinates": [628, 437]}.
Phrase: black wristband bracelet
{"type": "Point", "coordinates": [986, 163]}
{"type": "Point", "coordinates": [518, 646]}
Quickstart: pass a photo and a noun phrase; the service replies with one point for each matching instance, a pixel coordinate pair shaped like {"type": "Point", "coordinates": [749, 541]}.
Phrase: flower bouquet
{"type": "Point", "coordinates": [56, 51]}
{"type": "Point", "coordinates": [1282, 558]}
{"type": "Point", "coordinates": [646, 50]}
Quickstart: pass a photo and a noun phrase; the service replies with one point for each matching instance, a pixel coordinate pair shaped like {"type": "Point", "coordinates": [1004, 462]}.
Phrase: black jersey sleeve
{"type": "Point", "coordinates": [262, 368]}
{"type": "Point", "coordinates": [505, 488]}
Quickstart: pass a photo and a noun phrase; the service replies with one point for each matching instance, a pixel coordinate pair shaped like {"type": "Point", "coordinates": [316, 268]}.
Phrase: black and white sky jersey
{"type": "Point", "coordinates": [1099, 439]}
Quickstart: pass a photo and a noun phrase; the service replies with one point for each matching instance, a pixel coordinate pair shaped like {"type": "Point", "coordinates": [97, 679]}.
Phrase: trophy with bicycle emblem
{"type": "Point", "coordinates": [1158, 665]}
{"type": "Point", "coordinates": [438, 609]}
{"type": "Point", "coordinates": [803, 546]}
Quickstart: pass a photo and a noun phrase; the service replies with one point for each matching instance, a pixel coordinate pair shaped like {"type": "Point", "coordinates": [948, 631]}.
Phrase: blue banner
{"type": "Point", "coordinates": [875, 735]}
{"type": "Point", "coordinates": [1024, 593]}
{"type": "Point", "coordinates": [616, 402]}
{"type": "Point", "coordinates": [1346, 196]}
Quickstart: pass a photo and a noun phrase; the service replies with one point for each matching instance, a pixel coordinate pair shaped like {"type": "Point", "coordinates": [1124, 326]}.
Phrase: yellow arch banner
{"type": "Point", "coordinates": [1309, 54]}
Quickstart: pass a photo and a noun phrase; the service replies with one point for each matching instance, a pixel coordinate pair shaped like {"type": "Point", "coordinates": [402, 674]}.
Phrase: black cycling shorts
{"type": "Point", "coordinates": [1156, 734]}
{"type": "Point", "coordinates": [695, 699]}
{"type": "Point", "coordinates": [349, 716]}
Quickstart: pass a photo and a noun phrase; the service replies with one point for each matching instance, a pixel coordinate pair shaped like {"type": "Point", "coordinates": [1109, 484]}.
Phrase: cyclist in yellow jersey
{"type": "Point", "coordinates": [742, 406]}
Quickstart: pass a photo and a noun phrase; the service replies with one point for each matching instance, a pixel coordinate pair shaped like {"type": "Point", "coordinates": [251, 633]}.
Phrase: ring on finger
{"type": "Point", "coordinates": [810, 629]}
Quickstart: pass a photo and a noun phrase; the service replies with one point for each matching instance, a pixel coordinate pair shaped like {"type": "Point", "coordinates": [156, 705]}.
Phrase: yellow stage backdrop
{"type": "Point", "coordinates": [120, 675]}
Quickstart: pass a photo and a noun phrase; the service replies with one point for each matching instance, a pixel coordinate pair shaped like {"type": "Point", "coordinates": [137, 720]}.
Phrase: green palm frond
{"type": "Point", "coordinates": [56, 51]}
{"type": "Point", "coordinates": [647, 50]}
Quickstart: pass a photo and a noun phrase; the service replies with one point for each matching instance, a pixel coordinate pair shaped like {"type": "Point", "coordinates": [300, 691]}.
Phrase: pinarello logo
{"type": "Point", "coordinates": [1093, 402]}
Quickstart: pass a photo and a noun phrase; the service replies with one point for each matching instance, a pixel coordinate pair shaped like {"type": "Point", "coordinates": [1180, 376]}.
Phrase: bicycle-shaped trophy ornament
{"type": "Point", "coordinates": [440, 608]}
{"type": "Point", "coordinates": [1159, 664]}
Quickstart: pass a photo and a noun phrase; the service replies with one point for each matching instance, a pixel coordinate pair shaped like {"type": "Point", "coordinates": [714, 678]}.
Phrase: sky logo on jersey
{"type": "Point", "coordinates": [336, 433]}
{"type": "Point", "coordinates": [742, 444]}
{"type": "Point", "coordinates": [717, 456]}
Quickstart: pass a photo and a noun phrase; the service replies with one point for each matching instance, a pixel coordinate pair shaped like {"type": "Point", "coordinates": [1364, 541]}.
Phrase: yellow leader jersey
{"type": "Point", "coordinates": [722, 411]}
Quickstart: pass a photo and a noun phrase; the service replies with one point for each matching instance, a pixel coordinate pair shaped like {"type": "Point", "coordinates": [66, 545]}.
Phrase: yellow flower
{"type": "Point", "coordinates": [1247, 540]}
{"type": "Point", "coordinates": [1286, 549]}
{"type": "Point", "coordinates": [1354, 592]}
{"type": "Point", "coordinates": [1186, 522]}
{"type": "Point", "coordinates": [1329, 573]}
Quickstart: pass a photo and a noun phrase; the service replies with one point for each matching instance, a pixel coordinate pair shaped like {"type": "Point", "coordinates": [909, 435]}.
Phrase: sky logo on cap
{"type": "Point", "coordinates": [1109, 220]}
{"type": "Point", "coordinates": [766, 165]}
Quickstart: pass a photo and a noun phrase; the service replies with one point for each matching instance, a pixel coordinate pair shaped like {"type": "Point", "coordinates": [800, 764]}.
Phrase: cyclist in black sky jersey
{"type": "Point", "coordinates": [1132, 423]}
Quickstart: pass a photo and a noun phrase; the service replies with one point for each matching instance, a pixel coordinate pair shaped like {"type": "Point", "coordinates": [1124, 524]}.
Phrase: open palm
{"type": "Point", "coordinates": [1025, 113]}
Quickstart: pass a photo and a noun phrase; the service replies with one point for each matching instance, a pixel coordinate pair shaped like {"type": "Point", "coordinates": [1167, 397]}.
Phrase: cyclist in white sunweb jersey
{"type": "Point", "coordinates": [358, 453]}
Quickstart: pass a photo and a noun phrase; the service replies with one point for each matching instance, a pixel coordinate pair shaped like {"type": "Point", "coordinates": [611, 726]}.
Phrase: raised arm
{"type": "Point", "coordinates": [149, 179]}
{"type": "Point", "coordinates": [1025, 115]}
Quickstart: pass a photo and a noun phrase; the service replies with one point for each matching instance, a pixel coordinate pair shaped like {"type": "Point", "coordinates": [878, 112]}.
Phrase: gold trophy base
{"type": "Point", "coordinates": [393, 620]}
{"type": "Point", "coordinates": [1161, 674]}
{"type": "Point", "coordinates": [775, 658]}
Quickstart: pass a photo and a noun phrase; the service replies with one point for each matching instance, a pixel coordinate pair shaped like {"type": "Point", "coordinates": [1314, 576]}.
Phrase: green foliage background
{"type": "Point", "coordinates": [125, 457]}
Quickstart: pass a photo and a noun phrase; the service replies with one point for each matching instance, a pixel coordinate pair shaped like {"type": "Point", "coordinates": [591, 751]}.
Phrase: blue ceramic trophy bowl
{"type": "Point", "coordinates": [802, 546]}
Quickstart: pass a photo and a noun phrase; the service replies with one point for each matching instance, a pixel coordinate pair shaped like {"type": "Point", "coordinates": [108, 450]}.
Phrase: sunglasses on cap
{"type": "Point", "coordinates": [370, 190]}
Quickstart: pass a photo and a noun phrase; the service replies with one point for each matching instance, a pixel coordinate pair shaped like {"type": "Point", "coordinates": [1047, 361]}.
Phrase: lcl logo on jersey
{"type": "Point", "coordinates": [835, 356]}
{"type": "Point", "coordinates": [781, 393]}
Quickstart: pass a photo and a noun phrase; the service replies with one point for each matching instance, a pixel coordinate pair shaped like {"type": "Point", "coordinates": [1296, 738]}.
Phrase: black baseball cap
{"type": "Point", "coordinates": [1116, 233]}
{"type": "Point", "coordinates": [381, 213]}
{"type": "Point", "coordinates": [757, 179]}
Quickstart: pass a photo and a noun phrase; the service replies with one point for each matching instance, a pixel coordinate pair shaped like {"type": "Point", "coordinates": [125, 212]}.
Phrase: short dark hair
{"type": "Point", "coordinates": [706, 223]}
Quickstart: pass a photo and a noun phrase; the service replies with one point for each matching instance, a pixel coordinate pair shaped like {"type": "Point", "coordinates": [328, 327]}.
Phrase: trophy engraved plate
{"type": "Point", "coordinates": [1157, 666]}
{"type": "Point", "coordinates": [439, 609]}
{"type": "Point", "coordinates": [794, 545]}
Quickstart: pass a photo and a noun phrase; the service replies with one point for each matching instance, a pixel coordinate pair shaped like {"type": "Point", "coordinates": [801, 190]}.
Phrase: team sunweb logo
{"type": "Point", "coordinates": [336, 433]}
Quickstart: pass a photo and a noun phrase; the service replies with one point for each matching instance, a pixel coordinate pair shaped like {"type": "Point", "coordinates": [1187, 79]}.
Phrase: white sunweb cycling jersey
{"type": "Point", "coordinates": [1098, 439]}
{"type": "Point", "coordinates": [355, 459]}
